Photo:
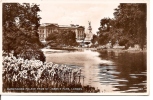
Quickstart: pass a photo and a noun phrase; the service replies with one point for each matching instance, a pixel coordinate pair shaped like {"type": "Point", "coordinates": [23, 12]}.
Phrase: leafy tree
{"type": "Point", "coordinates": [20, 28]}
{"type": "Point", "coordinates": [128, 26]}
{"type": "Point", "coordinates": [132, 18]}
{"type": "Point", "coordinates": [52, 36]}
{"type": "Point", "coordinates": [68, 38]}
{"type": "Point", "coordinates": [64, 37]}
{"type": "Point", "coordinates": [94, 39]}
{"type": "Point", "coordinates": [72, 38]}
{"type": "Point", "coordinates": [104, 31]}
{"type": "Point", "coordinates": [105, 24]}
{"type": "Point", "coordinates": [103, 38]}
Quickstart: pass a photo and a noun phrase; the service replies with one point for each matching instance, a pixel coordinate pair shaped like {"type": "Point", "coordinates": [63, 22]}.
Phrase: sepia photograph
{"type": "Point", "coordinates": [74, 46]}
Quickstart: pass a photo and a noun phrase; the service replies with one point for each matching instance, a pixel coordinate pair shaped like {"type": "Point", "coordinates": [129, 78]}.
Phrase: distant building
{"type": "Point", "coordinates": [89, 34]}
{"type": "Point", "coordinates": [47, 28]}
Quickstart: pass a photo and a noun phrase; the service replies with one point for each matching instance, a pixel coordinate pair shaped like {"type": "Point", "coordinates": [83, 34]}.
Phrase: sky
{"type": "Point", "coordinates": [66, 13]}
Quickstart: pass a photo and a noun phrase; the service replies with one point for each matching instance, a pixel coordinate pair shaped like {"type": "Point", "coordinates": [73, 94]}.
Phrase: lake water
{"type": "Point", "coordinates": [110, 71]}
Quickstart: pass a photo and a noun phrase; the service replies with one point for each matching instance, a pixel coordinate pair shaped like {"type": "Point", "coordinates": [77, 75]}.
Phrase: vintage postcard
{"type": "Point", "coordinates": [75, 47]}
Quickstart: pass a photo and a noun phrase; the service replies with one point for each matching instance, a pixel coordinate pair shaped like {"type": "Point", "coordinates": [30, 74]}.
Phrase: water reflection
{"type": "Point", "coordinates": [108, 70]}
{"type": "Point", "coordinates": [130, 68]}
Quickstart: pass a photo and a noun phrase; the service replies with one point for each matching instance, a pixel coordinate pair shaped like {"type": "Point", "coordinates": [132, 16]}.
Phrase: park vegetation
{"type": "Point", "coordinates": [62, 38]}
{"type": "Point", "coordinates": [128, 26]}
{"type": "Point", "coordinates": [20, 30]}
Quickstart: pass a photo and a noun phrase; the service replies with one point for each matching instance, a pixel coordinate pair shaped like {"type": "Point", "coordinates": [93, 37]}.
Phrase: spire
{"type": "Point", "coordinates": [89, 34]}
{"type": "Point", "coordinates": [89, 28]}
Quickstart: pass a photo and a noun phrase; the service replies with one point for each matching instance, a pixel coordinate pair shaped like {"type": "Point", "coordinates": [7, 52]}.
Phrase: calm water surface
{"type": "Point", "coordinates": [110, 71]}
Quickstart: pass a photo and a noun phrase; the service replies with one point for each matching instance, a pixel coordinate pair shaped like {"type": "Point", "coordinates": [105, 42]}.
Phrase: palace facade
{"type": "Point", "coordinates": [48, 28]}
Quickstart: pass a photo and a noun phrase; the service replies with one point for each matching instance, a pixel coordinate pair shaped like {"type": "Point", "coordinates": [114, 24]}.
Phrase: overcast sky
{"type": "Point", "coordinates": [76, 13]}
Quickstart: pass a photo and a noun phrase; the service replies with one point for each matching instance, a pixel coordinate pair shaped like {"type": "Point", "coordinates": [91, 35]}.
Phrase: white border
{"type": "Point", "coordinates": [85, 1]}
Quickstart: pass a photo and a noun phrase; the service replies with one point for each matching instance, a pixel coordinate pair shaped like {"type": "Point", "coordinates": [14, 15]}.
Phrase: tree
{"type": "Point", "coordinates": [52, 37]}
{"type": "Point", "coordinates": [132, 18]}
{"type": "Point", "coordinates": [66, 37]}
{"type": "Point", "coordinates": [105, 24]}
{"type": "Point", "coordinates": [104, 31]}
{"type": "Point", "coordinates": [20, 28]}
{"type": "Point", "coordinates": [94, 39]}
{"type": "Point", "coordinates": [103, 38]}
{"type": "Point", "coordinates": [71, 38]}
{"type": "Point", "coordinates": [128, 25]}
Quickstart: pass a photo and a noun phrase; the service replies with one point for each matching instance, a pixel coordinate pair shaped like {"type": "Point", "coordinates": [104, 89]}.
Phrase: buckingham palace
{"type": "Point", "coordinates": [48, 28]}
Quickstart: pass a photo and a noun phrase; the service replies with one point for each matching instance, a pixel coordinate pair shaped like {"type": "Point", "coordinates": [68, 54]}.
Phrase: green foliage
{"type": "Point", "coordinates": [20, 26]}
{"type": "Point", "coordinates": [132, 18]}
{"type": "Point", "coordinates": [103, 38]}
{"type": "Point", "coordinates": [123, 41]}
{"type": "Point", "coordinates": [128, 25]}
{"type": "Point", "coordinates": [52, 36]}
{"type": "Point", "coordinates": [105, 24]}
{"type": "Point", "coordinates": [94, 39]}
{"type": "Point", "coordinates": [63, 38]}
